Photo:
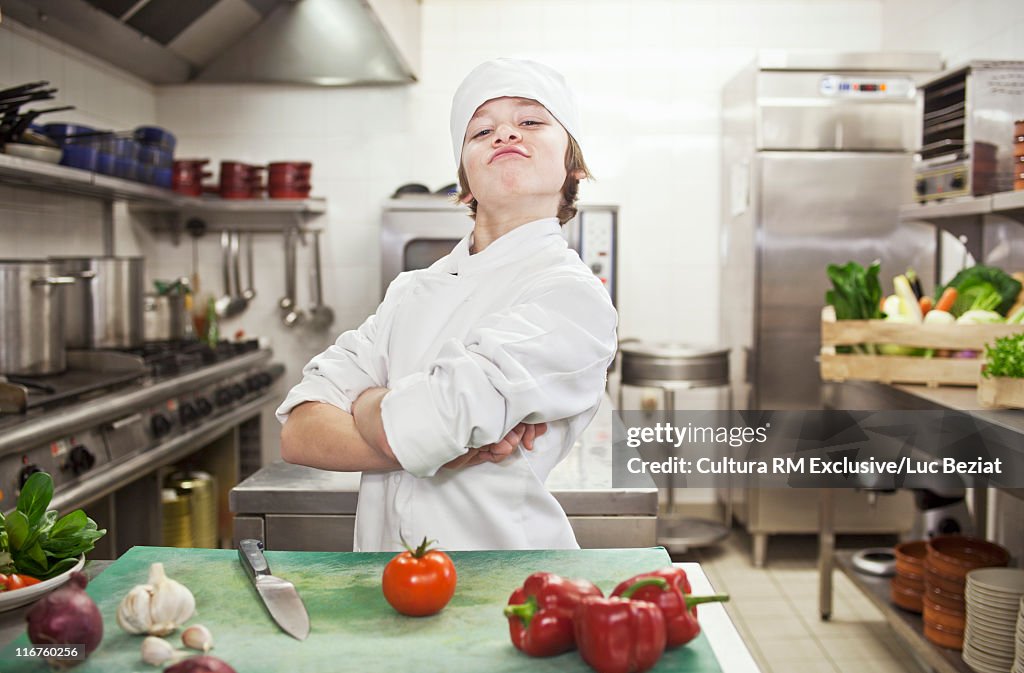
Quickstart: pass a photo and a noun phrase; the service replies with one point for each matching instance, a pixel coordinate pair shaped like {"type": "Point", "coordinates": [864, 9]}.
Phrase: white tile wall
{"type": "Point", "coordinates": [959, 29]}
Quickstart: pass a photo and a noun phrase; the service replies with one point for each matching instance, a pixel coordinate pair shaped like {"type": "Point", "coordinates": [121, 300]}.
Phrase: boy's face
{"type": "Point", "coordinates": [514, 148]}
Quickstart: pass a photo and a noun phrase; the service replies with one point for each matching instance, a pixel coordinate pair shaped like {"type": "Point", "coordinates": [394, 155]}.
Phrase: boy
{"type": "Point", "coordinates": [490, 363]}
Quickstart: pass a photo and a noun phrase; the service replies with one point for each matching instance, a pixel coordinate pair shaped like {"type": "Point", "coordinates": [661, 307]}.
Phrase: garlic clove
{"type": "Point", "coordinates": [133, 611]}
{"type": "Point", "coordinates": [156, 651]}
{"type": "Point", "coordinates": [198, 637]}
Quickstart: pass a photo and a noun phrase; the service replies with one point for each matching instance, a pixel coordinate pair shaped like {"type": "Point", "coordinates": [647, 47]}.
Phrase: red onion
{"type": "Point", "coordinates": [204, 663]}
{"type": "Point", "coordinates": [68, 616]}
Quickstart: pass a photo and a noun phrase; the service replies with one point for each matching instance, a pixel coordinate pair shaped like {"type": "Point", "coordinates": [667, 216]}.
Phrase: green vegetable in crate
{"type": "Point", "coordinates": [1005, 357]}
{"type": "Point", "coordinates": [855, 295]}
{"type": "Point", "coordinates": [983, 288]}
{"type": "Point", "coordinates": [35, 542]}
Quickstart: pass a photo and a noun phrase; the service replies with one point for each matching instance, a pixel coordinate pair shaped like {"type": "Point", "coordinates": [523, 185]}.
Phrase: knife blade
{"type": "Point", "coordinates": [279, 596]}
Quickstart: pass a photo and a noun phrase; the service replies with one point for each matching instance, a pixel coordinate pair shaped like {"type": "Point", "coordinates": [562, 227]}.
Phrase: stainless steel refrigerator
{"type": "Point", "coordinates": [817, 157]}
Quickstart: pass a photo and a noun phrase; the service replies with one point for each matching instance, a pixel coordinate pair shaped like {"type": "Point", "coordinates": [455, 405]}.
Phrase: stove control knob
{"type": "Point", "coordinates": [265, 379]}
{"type": "Point", "coordinates": [187, 413]}
{"type": "Point", "coordinates": [222, 397]}
{"type": "Point", "coordinates": [252, 383]}
{"type": "Point", "coordinates": [25, 473]}
{"type": "Point", "coordinates": [204, 407]}
{"type": "Point", "coordinates": [160, 424]}
{"type": "Point", "coordinates": [82, 459]}
{"type": "Point", "coordinates": [958, 181]}
{"type": "Point", "coordinates": [238, 391]}
{"type": "Point", "coordinates": [921, 187]}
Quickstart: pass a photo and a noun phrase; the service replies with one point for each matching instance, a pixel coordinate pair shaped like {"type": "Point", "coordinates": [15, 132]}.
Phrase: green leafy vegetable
{"type": "Point", "coordinates": [1005, 357]}
{"type": "Point", "coordinates": [976, 286]}
{"type": "Point", "coordinates": [33, 541]}
{"type": "Point", "coordinates": [856, 295]}
{"type": "Point", "coordinates": [856, 292]}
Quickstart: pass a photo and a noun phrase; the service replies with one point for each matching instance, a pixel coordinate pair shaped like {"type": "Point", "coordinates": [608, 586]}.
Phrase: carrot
{"type": "Point", "coordinates": [926, 304]}
{"type": "Point", "coordinates": [947, 299]}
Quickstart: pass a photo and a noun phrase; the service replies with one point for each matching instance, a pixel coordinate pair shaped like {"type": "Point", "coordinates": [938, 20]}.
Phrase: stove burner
{"type": "Point", "coordinates": [93, 372]}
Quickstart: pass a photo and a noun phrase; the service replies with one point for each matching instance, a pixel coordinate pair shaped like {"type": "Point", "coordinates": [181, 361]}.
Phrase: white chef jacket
{"type": "Point", "coordinates": [470, 347]}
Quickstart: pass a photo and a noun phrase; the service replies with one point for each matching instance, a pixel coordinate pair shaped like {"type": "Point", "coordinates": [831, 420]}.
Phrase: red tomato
{"type": "Point", "coordinates": [419, 582]}
{"type": "Point", "coordinates": [15, 581]}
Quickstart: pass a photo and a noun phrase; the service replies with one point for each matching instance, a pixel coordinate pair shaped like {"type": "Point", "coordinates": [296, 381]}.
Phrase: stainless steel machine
{"type": "Point", "coordinates": [817, 157]}
{"type": "Point", "coordinates": [417, 230]}
{"type": "Point", "coordinates": [968, 130]}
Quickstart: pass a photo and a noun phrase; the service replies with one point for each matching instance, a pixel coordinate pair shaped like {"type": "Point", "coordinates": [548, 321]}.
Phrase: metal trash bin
{"type": "Point", "coordinates": [676, 368]}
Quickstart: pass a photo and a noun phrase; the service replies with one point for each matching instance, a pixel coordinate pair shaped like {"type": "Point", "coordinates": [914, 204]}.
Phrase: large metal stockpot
{"type": "Point", "coordinates": [31, 318]}
{"type": "Point", "coordinates": [104, 309]}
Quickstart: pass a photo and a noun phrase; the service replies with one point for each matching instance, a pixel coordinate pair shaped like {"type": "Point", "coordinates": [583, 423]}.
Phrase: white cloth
{"type": "Point", "coordinates": [470, 347]}
{"type": "Point", "coordinates": [512, 77]}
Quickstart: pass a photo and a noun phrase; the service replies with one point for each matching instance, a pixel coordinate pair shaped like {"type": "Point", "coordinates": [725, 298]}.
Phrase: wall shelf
{"type": "Point", "coordinates": [1010, 204]}
{"type": "Point", "coordinates": [142, 198]}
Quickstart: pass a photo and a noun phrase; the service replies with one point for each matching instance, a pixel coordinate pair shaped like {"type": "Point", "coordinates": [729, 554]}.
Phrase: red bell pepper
{"type": "Point", "coordinates": [617, 635]}
{"type": "Point", "coordinates": [540, 613]}
{"type": "Point", "coordinates": [669, 589]}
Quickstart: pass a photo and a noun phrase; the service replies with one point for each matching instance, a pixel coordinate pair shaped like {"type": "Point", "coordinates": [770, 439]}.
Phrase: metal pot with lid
{"type": "Point", "coordinates": [673, 364]}
{"type": "Point", "coordinates": [32, 318]}
{"type": "Point", "coordinates": [104, 309]}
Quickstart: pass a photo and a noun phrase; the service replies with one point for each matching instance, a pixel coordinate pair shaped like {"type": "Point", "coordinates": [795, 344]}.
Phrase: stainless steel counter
{"type": "Point", "coordinates": [301, 508]}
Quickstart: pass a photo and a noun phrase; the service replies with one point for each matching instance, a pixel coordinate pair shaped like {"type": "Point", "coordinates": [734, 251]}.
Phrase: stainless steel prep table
{"type": "Point", "coordinates": [292, 507]}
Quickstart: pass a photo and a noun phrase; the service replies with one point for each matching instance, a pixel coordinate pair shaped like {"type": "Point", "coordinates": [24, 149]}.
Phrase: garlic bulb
{"type": "Point", "coordinates": [157, 608]}
{"type": "Point", "coordinates": [156, 651]}
{"type": "Point", "coordinates": [197, 637]}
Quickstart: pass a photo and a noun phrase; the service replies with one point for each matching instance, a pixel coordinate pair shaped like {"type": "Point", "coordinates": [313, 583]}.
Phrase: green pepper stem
{"type": "Point", "coordinates": [524, 611]}
{"type": "Point", "coordinates": [692, 600]}
{"type": "Point", "coordinates": [646, 582]}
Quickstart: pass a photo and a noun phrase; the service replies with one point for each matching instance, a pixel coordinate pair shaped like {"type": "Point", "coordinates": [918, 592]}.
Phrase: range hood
{"type": "Point", "coordinates": [316, 42]}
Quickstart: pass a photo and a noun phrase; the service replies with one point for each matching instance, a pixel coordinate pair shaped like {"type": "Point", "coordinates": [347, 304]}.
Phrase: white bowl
{"type": "Point", "coordinates": [19, 597]}
{"type": "Point", "coordinates": [50, 155]}
{"type": "Point", "coordinates": [1006, 581]}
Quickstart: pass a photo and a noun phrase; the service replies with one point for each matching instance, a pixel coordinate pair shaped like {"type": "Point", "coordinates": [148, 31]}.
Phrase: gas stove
{"type": "Point", "coordinates": [112, 413]}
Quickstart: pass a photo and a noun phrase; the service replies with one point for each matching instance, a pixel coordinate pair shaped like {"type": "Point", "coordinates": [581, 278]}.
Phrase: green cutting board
{"type": "Point", "coordinates": [352, 627]}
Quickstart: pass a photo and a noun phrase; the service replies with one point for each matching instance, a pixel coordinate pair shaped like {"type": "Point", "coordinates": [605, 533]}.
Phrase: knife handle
{"type": "Point", "coordinates": [250, 552]}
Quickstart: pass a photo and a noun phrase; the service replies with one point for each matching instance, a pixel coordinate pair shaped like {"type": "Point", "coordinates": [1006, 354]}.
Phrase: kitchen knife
{"type": "Point", "coordinates": [282, 601]}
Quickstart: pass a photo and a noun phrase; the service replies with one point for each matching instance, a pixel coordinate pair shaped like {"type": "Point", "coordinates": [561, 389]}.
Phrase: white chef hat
{"type": "Point", "coordinates": [517, 78]}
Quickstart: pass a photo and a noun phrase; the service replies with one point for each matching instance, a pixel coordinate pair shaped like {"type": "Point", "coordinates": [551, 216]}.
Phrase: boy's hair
{"type": "Point", "coordinates": [570, 188]}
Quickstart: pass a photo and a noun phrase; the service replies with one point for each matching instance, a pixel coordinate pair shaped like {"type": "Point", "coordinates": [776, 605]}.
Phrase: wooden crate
{"type": "Point", "coordinates": [1001, 391]}
{"type": "Point", "coordinates": [900, 369]}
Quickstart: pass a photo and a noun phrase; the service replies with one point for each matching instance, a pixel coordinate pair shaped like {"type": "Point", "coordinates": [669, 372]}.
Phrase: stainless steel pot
{"type": "Point", "coordinates": [104, 309]}
{"type": "Point", "coordinates": [165, 317]}
{"type": "Point", "coordinates": [32, 318]}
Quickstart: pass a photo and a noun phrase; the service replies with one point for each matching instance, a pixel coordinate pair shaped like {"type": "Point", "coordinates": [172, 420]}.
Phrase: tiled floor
{"type": "Point", "coordinates": [775, 610]}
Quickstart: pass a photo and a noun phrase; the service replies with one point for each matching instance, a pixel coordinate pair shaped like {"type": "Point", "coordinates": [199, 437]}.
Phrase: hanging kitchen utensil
{"type": "Point", "coordinates": [249, 293]}
{"type": "Point", "coordinates": [234, 284]}
{"type": "Point", "coordinates": [224, 300]}
{"type": "Point", "coordinates": [321, 316]}
{"type": "Point", "coordinates": [291, 315]}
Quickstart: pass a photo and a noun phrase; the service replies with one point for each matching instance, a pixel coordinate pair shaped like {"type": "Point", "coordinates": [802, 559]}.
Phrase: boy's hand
{"type": "Point", "coordinates": [526, 433]}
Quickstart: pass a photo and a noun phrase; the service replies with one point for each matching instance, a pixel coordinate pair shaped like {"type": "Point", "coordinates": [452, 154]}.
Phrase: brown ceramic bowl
{"type": "Point", "coordinates": [946, 600]}
{"type": "Point", "coordinates": [912, 578]}
{"type": "Point", "coordinates": [908, 584]}
{"type": "Point", "coordinates": [905, 598]}
{"type": "Point", "coordinates": [1018, 185]}
{"type": "Point", "coordinates": [911, 554]}
{"type": "Point", "coordinates": [942, 637]}
{"type": "Point", "coordinates": [951, 585]}
{"type": "Point", "coordinates": [954, 555]}
{"type": "Point", "coordinates": [937, 615]}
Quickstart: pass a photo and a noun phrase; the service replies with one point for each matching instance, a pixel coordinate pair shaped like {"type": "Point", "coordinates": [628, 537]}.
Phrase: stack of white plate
{"type": "Point", "coordinates": [993, 597]}
{"type": "Point", "coordinates": [1018, 663]}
